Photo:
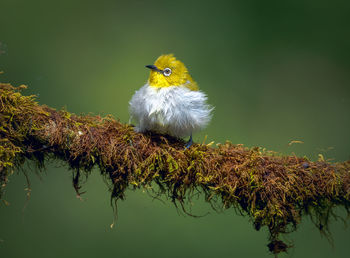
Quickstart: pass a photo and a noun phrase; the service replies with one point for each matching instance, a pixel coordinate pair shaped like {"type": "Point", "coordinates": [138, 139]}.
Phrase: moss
{"type": "Point", "coordinates": [272, 190]}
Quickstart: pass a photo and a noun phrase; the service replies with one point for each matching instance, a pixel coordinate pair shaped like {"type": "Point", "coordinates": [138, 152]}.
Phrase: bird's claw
{"type": "Point", "coordinates": [189, 143]}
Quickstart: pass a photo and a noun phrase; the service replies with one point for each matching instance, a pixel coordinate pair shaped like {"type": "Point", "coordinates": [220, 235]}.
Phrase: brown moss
{"type": "Point", "coordinates": [274, 191]}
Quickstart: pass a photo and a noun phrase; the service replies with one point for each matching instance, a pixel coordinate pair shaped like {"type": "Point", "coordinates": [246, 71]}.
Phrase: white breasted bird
{"type": "Point", "coordinates": [170, 102]}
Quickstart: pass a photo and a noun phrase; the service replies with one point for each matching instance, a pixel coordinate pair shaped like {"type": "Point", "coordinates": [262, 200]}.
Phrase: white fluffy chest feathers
{"type": "Point", "coordinates": [175, 110]}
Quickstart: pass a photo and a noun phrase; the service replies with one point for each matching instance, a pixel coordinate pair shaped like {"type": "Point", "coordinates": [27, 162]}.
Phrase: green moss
{"type": "Point", "coordinates": [272, 190]}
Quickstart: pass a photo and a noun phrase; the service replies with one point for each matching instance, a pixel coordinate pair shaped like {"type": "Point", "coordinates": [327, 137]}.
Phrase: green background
{"type": "Point", "coordinates": [275, 71]}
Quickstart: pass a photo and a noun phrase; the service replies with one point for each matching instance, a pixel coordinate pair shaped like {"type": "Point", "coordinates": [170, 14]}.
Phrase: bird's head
{"type": "Point", "coordinates": [168, 71]}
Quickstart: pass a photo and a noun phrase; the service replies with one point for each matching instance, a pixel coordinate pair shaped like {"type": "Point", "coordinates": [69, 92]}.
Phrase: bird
{"type": "Point", "coordinates": [170, 102]}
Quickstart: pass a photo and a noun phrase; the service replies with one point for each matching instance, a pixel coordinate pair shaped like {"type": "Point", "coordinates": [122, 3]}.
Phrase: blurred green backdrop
{"type": "Point", "coordinates": [275, 71]}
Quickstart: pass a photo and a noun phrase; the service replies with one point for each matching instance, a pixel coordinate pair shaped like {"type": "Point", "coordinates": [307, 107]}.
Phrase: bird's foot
{"type": "Point", "coordinates": [189, 143]}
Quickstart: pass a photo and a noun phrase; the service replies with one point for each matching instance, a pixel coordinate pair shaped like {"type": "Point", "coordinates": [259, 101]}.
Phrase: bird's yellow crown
{"type": "Point", "coordinates": [168, 71]}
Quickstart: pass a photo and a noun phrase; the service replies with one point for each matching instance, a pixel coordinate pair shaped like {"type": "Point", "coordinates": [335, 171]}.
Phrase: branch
{"type": "Point", "coordinates": [273, 190]}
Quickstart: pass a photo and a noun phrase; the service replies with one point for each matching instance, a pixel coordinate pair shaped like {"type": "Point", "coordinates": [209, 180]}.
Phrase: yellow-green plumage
{"type": "Point", "coordinates": [179, 76]}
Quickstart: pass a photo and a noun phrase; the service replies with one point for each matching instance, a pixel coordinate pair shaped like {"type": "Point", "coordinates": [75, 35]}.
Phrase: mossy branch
{"type": "Point", "coordinates": [273, 190]}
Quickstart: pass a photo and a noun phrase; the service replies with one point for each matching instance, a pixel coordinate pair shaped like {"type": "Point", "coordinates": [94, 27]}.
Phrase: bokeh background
{"type": "Point", "coordinates": [276, 71]}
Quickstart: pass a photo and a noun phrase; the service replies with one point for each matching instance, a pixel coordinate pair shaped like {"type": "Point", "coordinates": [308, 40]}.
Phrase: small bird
{"type": "Point", "coordinates": [170, 102]}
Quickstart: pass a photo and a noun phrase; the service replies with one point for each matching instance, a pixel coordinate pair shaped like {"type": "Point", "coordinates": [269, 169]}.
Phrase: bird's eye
{"type": "Point", "coordinates": [167, 71]}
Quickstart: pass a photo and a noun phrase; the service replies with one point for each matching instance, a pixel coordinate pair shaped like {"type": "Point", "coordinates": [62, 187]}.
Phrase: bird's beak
{"type": "Point", "coordinates": [153, 67]}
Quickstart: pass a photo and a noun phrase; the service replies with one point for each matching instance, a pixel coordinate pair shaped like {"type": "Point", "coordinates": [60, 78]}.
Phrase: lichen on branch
{"type": "Point", "coordinates": [273, 190]}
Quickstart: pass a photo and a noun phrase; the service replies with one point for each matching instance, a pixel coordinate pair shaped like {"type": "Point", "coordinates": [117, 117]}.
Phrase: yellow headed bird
{"type": "Point", "coordinates": [170, 102]}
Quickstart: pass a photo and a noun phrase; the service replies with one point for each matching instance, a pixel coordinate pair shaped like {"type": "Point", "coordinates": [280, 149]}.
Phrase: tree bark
{"type": "Point", "coordinates": [273, 190]}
